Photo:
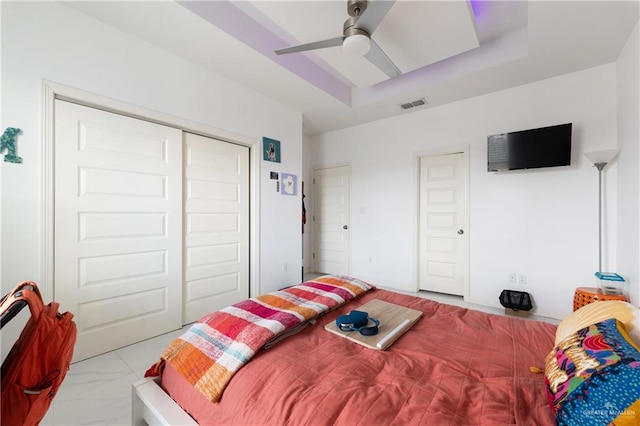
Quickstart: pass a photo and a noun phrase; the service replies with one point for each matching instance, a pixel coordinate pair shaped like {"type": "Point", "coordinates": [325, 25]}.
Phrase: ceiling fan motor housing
{"type": "Point", "coordinates": [355, 8]}
{"type": "Point", "coordinates": [349, 28]}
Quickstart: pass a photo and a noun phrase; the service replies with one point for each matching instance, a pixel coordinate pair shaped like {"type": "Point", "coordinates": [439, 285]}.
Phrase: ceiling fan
{"type": "Point", "coordinates": [364, 18]}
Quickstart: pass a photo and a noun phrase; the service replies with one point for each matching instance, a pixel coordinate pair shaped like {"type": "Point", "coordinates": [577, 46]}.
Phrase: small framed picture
{"type": "Point", "coordinates": [271, 150]}
{"type": "Point", "coordinates": [288, 184]}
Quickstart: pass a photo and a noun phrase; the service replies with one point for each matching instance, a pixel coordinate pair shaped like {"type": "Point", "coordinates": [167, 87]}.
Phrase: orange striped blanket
{"type": "Point", "coordinates": [219, 344]}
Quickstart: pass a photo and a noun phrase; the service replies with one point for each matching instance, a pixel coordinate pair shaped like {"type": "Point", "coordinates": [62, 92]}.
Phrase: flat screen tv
{"type": "Point", "coordinates": [530, 149]}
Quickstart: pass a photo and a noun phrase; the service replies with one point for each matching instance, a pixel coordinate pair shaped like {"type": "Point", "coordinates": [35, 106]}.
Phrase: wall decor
{"type": "Point", "coordinates": [289, 184]}
{"type": "Point", "coordinates": [271, 149]}
{"type": "Point", "coordinates": [8, 142]}
{"type": "Point", "coordinates": [275, 177]}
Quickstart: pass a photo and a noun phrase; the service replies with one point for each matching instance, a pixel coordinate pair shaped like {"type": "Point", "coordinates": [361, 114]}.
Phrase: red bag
{"type": "Point", "coordinates": [38, 361]}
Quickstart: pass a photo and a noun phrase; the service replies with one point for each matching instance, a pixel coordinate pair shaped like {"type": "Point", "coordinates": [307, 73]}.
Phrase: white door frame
{"type": "Point", "coordinates": [52, 91]}
{"type": "Point", "coordinates": [316, 204]}
{"type": "Point", "coordinates": [456, 149]}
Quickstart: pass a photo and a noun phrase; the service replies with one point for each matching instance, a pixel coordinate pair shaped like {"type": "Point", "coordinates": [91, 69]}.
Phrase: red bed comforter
{"type": "Point", "coordinates": [453, 367]}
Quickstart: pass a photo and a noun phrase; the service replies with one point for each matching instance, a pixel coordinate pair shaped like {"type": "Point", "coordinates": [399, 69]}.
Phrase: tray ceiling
{"type": "Point", "coordinates": [447, 50]}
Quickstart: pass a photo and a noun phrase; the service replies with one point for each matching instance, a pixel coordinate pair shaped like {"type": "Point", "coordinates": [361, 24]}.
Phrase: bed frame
{"type": "Point", "coordinates": [150, 405]}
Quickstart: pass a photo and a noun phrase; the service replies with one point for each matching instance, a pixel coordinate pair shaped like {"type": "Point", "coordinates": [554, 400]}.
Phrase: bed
{"type": "Point", "coordinates": [454, 366]}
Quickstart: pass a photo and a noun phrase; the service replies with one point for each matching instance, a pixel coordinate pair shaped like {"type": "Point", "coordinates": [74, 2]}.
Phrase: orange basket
{"type": "Point", "coordinates": [585, 295]}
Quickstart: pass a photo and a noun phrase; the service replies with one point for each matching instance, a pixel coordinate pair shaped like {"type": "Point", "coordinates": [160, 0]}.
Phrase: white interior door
{"type": "Point", "coordinates": [443, 263]}
{"type": "Point", "coordinates": [118, 226]}
{"type": "Point", "coordinates": [216, 225]}
{"type": "Point", "coordinates": [332, 253]}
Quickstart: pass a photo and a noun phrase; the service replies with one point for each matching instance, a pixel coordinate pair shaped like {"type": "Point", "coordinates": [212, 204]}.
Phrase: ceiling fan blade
{"type": "Point", "coordinates": [332, 42]}
{"type": "Point", "coordinates": [380, 59]}
{"type": "Point", "coordinates": [374, 14]}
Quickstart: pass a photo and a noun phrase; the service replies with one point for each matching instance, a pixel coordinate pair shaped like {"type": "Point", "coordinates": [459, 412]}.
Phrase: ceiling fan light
{"type": "Point", "coordinates": [356, 45]}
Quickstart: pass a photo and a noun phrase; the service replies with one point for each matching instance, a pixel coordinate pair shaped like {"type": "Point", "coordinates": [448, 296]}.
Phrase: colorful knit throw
{"type": "Point", "coordinates": [219, 344]}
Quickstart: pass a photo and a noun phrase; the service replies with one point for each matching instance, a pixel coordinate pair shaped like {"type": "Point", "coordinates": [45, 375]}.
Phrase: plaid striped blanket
{"type": "Point", "coordinates": [219, 344]}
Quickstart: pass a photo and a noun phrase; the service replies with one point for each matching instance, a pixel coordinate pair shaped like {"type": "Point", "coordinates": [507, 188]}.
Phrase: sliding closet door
{"type": "Point", "coordinates": [118, 226]}
{"type": "Point", "coordinates": [216, 254]}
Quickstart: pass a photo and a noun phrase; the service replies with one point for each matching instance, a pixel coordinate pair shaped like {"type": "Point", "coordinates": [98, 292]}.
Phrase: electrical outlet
{"type": "Point", "coordinates": [522, 279]}
{"type": "Point", "coordinates": [512, 277]}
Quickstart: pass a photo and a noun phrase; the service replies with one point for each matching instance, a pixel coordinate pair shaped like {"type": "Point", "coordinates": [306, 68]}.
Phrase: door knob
{"type": "Point", "coordinates": [460, 232]}
{"type": "Point", "coordinates": [345, 227]}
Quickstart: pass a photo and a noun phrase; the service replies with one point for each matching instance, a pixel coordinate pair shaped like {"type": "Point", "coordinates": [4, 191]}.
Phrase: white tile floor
{"type": "Point", "coordinates": [97, 391]}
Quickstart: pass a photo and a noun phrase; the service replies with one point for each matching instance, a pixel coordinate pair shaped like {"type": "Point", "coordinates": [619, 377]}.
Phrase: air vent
{"type": "Point", "coordinates": [413, 104]}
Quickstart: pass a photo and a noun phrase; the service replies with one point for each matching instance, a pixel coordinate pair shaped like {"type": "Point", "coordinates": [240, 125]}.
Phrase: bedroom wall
{"type": "Point", "coordinates": [50, 41]}
{"type": "Point", "coordinates": [628, 70]}
{"type": "Point", "coordinates": [542, 223]}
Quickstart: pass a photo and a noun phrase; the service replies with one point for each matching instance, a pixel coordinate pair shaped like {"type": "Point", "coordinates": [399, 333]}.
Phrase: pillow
{"type": "Point", "coordinates": [595, 312]}
{"type": "Point", "coordinates": [593, 377]}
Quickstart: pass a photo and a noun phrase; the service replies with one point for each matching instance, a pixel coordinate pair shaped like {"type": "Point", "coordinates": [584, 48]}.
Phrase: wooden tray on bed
{"type": "Point", "coordinates": [394, 319]}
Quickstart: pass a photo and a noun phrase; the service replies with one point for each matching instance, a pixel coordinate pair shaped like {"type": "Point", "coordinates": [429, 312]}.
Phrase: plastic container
{"type": "Point", "coordinates": [611, 283]}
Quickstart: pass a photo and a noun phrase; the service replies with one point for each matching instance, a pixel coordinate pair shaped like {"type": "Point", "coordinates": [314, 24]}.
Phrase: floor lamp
{"type": "Point", "coordinates": [600, 160]}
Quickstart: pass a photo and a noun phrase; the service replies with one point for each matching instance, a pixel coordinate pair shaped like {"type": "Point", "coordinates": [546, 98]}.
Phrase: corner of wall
{"type": "Point", "coordinates": [628, 127]}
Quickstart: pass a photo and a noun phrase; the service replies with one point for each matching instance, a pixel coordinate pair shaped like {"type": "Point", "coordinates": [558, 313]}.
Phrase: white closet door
{"type": "Point", "coordinates": [118, 226]}
{"type": "Point", "coordinates": [216, 225]}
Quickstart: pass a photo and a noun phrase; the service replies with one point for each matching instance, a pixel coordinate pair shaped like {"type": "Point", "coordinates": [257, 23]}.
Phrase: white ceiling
{"type": "Point", "coordinates": [447, 50]}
